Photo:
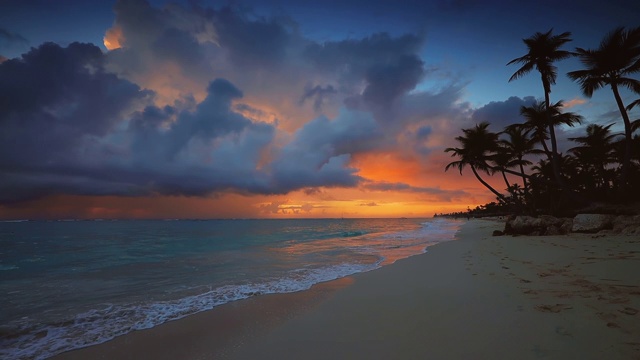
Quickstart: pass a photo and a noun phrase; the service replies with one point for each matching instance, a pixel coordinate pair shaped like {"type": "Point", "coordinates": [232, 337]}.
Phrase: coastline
{"type": "Point", "coordinates": [479, 296]}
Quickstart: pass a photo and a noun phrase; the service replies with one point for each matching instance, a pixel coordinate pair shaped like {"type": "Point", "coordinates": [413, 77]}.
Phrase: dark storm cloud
{"type": "Point", "coordinates": [502, 113]}
{"type": "Point", "coordinates": [320, 151]}
{"type": "Point", "coordinates": [386, 82]}
{"type": "Point", "coordinates": [252, 41]}
{"type": "Point", "coordinates": [269, 54]}
{"type": "Point", "coordinates": [389, 66]}
{"type": "Point", "coordinates": [151, 37]}
{"type": "Point", "coordinates": [178, 45]}
{"type": "Point", "coordinates": [71, 126]}
{"type": "Point", "coordinates": [52, 97]}
{"type": "Point", "coordinates": [62, 132]}
{"type": "Point", "coordinates": [318, 95]}
{"type": "Point", "coordinates": [356, 56]}
{"type": "Point", "coordinates": [443, 103]}
{"type": "Point", "coordinates": [139, 20]}
{"type": "Point", "coordinates": [157, 135]}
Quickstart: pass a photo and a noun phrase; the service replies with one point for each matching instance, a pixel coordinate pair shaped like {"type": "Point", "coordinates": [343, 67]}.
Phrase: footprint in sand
{"type": "Point", "coordinates": [554, 308]}
{"type": "Point", "coordinates": [629, 311]}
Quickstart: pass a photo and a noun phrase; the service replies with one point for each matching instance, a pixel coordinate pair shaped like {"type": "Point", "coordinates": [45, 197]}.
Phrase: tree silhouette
{"type": "Point", "coordinates": [501, 159]}
{"type": "Point", "coordinates": [617, 57]}
{"type": "Point", "coordinates": [600, 161]}
{"type": "Point", "coordinates": [537, 117]}
{"type": "Point", "coordinates": [518, 145]}
{"type": "Point", "coordinates": [476, 146]}
{"type": "Point", "coordinates": [543, 51]}
{"type": "Point", "coordinates": [594, 155]}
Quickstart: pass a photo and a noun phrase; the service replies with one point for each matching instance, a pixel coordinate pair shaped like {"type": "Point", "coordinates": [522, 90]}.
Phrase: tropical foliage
{"type": "Point", "coordinates": [603, 166]}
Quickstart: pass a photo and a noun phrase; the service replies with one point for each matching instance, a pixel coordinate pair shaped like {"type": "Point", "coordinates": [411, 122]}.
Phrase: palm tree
{"type": "Point", "coordinates": [612, 63]}
{"type": "Point", "coordinates": [501, 160]}
{"type": "Point", "coordinates": [594, 154]}
{"type": "Point", "coordinates": [518, 145]}
{"type": "Point", "coordinates": [536, 123]}
{"type": "Point", "coordinates": [476, 147]}
{"type": "Point", "coordinates": [537, 120]}
{"type": "Point", "coordinates": [633, 104]}
{"type": "Point", "coordinates": [543, 51]}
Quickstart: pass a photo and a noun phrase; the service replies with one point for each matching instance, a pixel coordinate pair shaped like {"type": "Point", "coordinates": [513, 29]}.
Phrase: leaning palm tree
{"type": "Point", "coordinates": [500, 161]}
{"type": "Point", "coordinates": [543, 51]}
{"type": "Point", "coordinates": [519, 144]}
{"type": "Point", "coordinates": [476, 146]}
{"type": "Point", "coordinates": [612, 64]}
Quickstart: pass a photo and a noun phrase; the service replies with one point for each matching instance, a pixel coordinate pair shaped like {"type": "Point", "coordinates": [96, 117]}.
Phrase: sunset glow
{"type": "Point", "coordinates": [216, 111]}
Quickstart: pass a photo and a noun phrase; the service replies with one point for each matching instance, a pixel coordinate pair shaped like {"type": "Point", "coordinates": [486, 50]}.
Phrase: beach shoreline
{"type": "Point", "coordinates": [478, 296]}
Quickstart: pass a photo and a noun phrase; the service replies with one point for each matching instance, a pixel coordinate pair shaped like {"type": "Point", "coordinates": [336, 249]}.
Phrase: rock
{"type": "Point", "coordinates": [542, 225]}
{"type": "Point", "coordinates": [521, 225]}
{"type": "Point", "coordinates": [592, 223]}
{"type": "Point", "coordinates": [551, 220]}
{"type": "Point", "coordinates": [552, 230]}
{"type": "Point", "coordinates": [566, 226]}
{"type": "Point", "coordinates": [497, 233]}
{"type": "Point", "coordinates": [625, 224]}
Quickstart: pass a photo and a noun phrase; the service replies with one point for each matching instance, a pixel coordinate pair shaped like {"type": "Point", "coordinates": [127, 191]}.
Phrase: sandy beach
{"type": "Point", "coordinates": [478, 297]}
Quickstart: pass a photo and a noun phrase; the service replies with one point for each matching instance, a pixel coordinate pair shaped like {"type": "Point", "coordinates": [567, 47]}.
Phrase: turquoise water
{"type": "Point", "coordinates": [70, 284]}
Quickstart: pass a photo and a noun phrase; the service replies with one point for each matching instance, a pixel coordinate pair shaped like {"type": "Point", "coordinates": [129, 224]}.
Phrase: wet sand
{"type": "Point", "coordinates": [551, 297]}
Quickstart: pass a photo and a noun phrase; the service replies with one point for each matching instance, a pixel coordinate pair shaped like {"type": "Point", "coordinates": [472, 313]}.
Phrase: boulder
{"type": "Point", "coordinates": [520, 225]}
{"type": "Point", "coordinates": [566, 225]}
{"type": "Point", "coordinates": [541, 225]}
{"type": "Point", "coordinates": [553, 230]}
{"type": "Point", "coordinates": [625, 224]}
{"type": "Point", "coordinates": [592, 223]}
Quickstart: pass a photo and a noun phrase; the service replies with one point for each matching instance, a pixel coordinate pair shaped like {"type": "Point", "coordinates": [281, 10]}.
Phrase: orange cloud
{"type": "Point", "coordinates": [574, 102]}
{"type": "Point", "coordinates": [113, 38]}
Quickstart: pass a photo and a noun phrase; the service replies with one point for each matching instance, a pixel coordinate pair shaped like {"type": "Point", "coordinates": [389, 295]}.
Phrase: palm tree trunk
{"type": "Point", "coordinates": [552, 136]}
{"type": "Point", "coordinates": [546, 149]}
{"type": "Point", "coordinates": [524, 178]}
{"type": "Point", "coordinates": [626, 160]}
{"type": "Point", "coordinates": [506, 181]}
{"type": "Point", "coordinates": [500, 196]}
{"type": "Point", "coordinates": [554, 151]}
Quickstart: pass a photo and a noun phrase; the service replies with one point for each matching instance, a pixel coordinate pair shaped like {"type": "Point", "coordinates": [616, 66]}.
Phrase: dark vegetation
{"type": "Point", "coordinates": [602, 170]}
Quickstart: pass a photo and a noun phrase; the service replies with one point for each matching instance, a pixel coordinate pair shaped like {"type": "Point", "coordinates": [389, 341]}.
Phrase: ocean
{"type": "Point", "coordinates": [70, 284]}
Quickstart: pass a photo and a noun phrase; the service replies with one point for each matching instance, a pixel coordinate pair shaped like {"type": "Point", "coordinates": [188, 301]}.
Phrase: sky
{"type": "Point", "coordinates": [268, 109]}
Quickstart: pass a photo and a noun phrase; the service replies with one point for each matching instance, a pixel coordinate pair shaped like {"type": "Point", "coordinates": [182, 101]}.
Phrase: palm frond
{"type": "Point", "coordinates": [524, 70]}
{"type": "Point", "coordinates": [633, 104]}
{"type": "Point", "coordinates": [631, 84]}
